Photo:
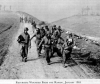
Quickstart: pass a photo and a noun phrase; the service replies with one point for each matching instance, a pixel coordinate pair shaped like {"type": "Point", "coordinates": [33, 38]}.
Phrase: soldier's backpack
{"type": "Point", "coordinates": [20, 38]}
{"type": "Point", "coordinates": [69, 43]}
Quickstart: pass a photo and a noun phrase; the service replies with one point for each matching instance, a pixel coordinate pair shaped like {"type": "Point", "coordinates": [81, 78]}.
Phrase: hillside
{"type": "Point", "coordinates": [83, 25]}
{"type": "Point", "coordinates": [9, 24]}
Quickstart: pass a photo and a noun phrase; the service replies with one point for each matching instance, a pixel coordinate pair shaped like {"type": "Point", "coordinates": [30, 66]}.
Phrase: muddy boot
{"type": "Point", "coordinates": [25, 59]}
{"type": "Point", "coordinates": [64, 66]}
{"type": "Point", "coordinates": [39, 53]}
{"type": "Point", "coordinates": [22, 59]}
{"type": "Point", "coordinates": [48, 63]}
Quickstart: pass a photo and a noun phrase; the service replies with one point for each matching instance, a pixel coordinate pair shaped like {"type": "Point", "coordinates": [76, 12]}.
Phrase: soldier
{"type": "Point", "coordinates": [56, 43]}
{"type": "Point", "coordinates": [67, 48]}
{"type": "Point", "coordinates": [59, 46]}
{"type": "Point", "coordinates": [25, 19]}
{"type": "Point", "coordinates": [33, 24]}
{"type": "Point", "coordinates": [42, 32]}
{"type": "Point", "coordinates": [24, 39]}
{"type": "Point", "coordinates": [46, 29]}
{"type": "Point", "coordinates": [20, 19]}
{"type": "Point", "coordinates": [59, 31]}
{"type": "Point", "coordinates": [53, 29]}
{"type": "Point", "coordinates": [55, 36]}
{"type": "Point", "coordinates": [46, 40]}
{"type": "Point", "coordinates": [38, 40]}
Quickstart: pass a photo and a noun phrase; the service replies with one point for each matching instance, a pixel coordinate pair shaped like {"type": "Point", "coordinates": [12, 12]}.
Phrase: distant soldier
{"type": "Point", "coordinates": [33, 24]}
{"type": "Point", "coordinates": [25, 19]}
{"type": "Point", "coordinates": [59, 31]}
{"type": "Point", "coordinates": [53, 29]}
{"type": "Point", "coordinates": [47, 29]}
{"type": "Point", "coordinates": [24, 39]}
{"type": "Point", "coordinates": [42, 32]}
{"type": "Point", "coordinates": [46, 40]}
{"type": "Point", "coordinates": [55, 37]}
{"type": "Point", "coordinates": [21, 19]}
{"type": "Point", "coordinates": [67, 48]}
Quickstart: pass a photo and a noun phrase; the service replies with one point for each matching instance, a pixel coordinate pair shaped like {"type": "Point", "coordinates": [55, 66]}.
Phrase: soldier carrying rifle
{"type": "Point", "coordinates": [24, 39]}
{"type": "Point", "coordinates": [46, 40]}
{"type": "Point", "coordinates": [67, 48]}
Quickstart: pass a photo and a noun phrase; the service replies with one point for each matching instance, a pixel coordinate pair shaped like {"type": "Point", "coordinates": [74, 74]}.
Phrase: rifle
{"type": "Point", "coordinates": [32, 37]}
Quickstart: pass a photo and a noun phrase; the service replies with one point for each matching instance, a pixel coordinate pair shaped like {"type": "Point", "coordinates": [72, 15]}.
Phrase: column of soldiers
{"type": "Point", "coordinates": [51, 41]}
{"type": "Point", "coordinates": [26, 19]}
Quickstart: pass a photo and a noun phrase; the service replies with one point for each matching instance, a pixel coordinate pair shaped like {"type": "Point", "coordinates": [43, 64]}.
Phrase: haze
{"type": "Point", "coordinates": [50, 10]}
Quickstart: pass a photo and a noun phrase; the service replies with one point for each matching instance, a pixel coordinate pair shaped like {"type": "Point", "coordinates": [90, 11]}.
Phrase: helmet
{"type": "Point", "coordinates": [26, 29]}
{"type": "Point", "coordinates": [37, 29]}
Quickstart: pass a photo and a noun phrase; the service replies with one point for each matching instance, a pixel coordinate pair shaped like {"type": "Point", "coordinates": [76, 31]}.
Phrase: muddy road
{"type": "Point", "coordinates": [37, 68]}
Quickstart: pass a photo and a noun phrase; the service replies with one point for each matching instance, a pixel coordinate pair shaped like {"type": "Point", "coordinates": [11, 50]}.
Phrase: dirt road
{"type": "Point", "coordinates": [36, 68]}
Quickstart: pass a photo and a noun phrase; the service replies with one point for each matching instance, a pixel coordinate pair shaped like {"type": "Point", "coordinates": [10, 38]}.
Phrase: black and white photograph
{"type": "Point", "coordinates": [50, 39]}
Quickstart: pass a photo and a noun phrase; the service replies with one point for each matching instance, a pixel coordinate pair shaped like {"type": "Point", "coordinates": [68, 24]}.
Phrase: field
{"type": "Point", "coordinates": [84, 25]}
{"type": "Point", "coordinates": [9, 24]}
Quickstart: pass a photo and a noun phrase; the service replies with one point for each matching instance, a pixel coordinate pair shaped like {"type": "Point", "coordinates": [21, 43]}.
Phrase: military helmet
{"type": "Point", "coordinates": [26, 29]}
{"type": "Point", "coordinates": [37, 29]}
{"type": "Point", "coordinates": [59, 27]}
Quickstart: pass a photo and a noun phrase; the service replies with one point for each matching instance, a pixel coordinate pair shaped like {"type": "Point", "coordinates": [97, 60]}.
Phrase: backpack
{"type": "Point", "coordinates": [69, 43]}
{"type": "Point", "coordinates": [20, 38]}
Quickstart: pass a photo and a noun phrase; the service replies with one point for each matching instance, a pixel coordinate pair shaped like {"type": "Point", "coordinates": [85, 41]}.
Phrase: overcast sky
{"type": "Point", "coordinates": [50, 10]}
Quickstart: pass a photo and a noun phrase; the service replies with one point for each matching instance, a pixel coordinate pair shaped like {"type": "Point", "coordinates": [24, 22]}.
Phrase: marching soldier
{"type": "Point", "coordinates": [57, 41]}
{"type": "Point", "coordinates": [59, 31]}
{"type": "Point", "coordinates": [53, 29]}
{"type": "Point", "coordinates": [67, 49]}
{"type": "Point", "coordinates": [46, 40]}
{"type": "Point", "coordinates": [33, 24]}
{"type": "Point", "coordinates": [42, 32]}
{"type": "Point", "coordinates": [24, 39]}
{"type": "Point", "coordinates": [38, 40]}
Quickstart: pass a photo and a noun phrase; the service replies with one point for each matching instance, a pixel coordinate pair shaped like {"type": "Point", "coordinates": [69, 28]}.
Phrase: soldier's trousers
{"type": "Point", "coordinates": [47, 54]}
{"type": "Point", "coordinates": [24, 52]}
{"type": "Point", "coordinates": [66, 55]}
{"type": "Point", "coordinates": [55, 49]}
{"type": "Point", "coordinates": [39, 49]}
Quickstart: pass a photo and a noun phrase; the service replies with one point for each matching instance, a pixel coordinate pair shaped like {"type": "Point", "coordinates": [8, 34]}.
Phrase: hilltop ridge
{"type": "Point", "coordinates": [82, 25]}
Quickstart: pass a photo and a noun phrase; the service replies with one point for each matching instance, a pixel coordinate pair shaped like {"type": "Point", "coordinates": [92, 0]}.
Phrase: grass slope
{"type": "Point", "coordinates": [84, 25]}
{"type": "Point", "coordinates": [9, 24]}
